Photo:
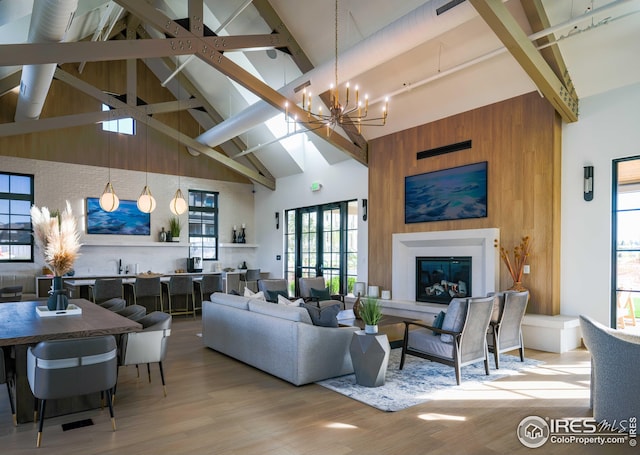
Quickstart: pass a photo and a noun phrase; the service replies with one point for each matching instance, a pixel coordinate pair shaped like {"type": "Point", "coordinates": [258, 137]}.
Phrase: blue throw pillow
{"type": "Point", "coordinates": [327, 316]}
{"type": "Point", "coordinates": [272, 296]}
{"type": "Point", "coordinates": [320, 294]}
{"type": "Point", "coordinates": [437, 322]}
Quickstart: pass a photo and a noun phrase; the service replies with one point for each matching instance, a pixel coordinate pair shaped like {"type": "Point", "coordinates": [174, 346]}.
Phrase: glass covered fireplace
{"type": "Point", "coordinates": [440, 279]}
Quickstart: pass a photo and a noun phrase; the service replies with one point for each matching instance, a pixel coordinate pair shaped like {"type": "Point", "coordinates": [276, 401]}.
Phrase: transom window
{"type": "Point", "coordinates": [119, 125]}
{"type": "Point", "coordinates": [16, 199]}
{"type": "Point", "coordinates": [203, 224]}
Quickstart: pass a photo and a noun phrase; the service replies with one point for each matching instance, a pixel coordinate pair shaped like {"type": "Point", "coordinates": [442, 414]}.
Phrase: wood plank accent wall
{"type": "Point", "coordinates": [89, 145]}
{"type": "Point", "coordinates": [520, 138]}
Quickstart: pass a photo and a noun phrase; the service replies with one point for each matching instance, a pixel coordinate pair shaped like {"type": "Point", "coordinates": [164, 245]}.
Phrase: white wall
{"type": "Point", "coordinates": [342, 181]}
{"type": "Point", "coordinates": [608, 128]}
{"type": "Point", "coordinates": [57, 182]}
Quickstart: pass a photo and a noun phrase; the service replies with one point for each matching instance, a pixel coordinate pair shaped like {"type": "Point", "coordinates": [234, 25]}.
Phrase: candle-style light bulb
{"type": "Point", "coordinates": [357, 99]}
{"type": "Point", "coordinates": [347, 98]}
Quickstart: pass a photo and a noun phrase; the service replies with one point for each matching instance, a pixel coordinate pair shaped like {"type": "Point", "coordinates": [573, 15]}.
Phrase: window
{"type": "Point", "coordinates": [323, 241]}
{"type": "Point", "coordinates": [203, 224]}
{"type": "Point", "coordinates": [16, 199]}
{"type": "Point", "coordinates": [121, 125]}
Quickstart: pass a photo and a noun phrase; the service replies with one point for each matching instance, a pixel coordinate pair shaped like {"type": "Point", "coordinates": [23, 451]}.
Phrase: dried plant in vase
{"type": "Point", "coordinates": [516, 267]}
{"type": "Point", "coordinates": [56, 235]}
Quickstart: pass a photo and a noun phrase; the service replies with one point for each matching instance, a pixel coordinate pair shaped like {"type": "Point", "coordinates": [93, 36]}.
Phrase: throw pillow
{"type": "Point", "coordinates": [454, 318]}
{"type": "Point", "coordinates": [437, 322]}
{"type": "Point", "coordinates": [272, 296]}
{"type": "Point", "coordinates": [253, 295]}
{"type": "Point", "coordinates": [320, 294]}
{"type": "Point", "coordinates": [326, 316]}
{"type": "Point", "coordinates": [285, 301]}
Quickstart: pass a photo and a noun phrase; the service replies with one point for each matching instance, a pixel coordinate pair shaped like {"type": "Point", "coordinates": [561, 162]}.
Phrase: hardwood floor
{"type": "Point", "coordinates": [217, 405]}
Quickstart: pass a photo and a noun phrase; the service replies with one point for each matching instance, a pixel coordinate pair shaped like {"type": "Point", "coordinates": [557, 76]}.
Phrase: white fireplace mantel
{"type": "Point", "coordinates": [480, 244]}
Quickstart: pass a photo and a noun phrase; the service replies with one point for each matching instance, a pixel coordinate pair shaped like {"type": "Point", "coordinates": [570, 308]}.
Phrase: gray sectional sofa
{"type": "Point", "coordinates": [278, 339]}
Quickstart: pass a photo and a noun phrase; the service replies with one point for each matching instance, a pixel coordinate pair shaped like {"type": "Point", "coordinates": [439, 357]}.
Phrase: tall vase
{"type": "Point", "coordinates": [58, 299]}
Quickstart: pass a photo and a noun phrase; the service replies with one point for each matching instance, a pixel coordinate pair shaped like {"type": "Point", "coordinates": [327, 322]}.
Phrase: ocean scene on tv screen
{"type": "Point", "coordinates": [126, 220]}
{"type": "Point", "coordinates": [450, 194]}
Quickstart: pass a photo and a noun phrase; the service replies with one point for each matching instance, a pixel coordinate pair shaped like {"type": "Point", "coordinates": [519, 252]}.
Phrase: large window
{"type": "Point", "coordinates": [203, 224]}
{"type": "Point", "coordinates": [123, 125]}
{"type": "Point", "coordinates": [16, 199]}
{"type": "Point", "coordinates": [323, 241]}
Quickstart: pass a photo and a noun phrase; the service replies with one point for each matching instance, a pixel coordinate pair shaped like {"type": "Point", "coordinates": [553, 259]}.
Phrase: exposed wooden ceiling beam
{"type": "Point", "coordinates": [140, 115]}
{"type": "Point", "coordinates": [496, 15]}
{"type": "Point", "coordinates": [216, 59]}
{"type": "Point", "coordinates": [96, 51]}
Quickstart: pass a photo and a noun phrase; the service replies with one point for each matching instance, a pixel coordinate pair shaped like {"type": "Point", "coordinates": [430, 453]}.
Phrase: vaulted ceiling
{"type": "Point", "coordinates": [234, 64]}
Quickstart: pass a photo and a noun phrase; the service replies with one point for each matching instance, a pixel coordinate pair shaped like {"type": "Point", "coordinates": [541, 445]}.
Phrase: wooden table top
{"type": "Point", "coordinates": [20, 323]}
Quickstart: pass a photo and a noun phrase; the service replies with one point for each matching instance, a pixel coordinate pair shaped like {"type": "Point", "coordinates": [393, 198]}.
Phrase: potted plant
{"type": "Point", "coordinates": [370, 313]}
{"type": "Point", "coordinates": [174, 228]}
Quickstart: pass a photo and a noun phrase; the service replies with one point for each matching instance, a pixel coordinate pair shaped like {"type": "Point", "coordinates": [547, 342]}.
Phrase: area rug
{"type": "Point", "coordinates": [420, 380]}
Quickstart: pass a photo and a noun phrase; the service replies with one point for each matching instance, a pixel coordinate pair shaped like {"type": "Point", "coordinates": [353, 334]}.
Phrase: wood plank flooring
{"type": "Point", "coordinates": [217, 405]}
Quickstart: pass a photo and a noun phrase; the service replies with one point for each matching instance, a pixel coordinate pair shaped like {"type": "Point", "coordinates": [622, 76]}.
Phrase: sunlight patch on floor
{"type": "Point", "coordinates": [436, 416]}
{"type": "Point", "coordinates": [340, 426]}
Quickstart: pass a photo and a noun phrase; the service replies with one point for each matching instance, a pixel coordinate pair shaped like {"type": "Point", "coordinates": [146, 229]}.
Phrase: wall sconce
{"type": "Point", "coordinates": [277, 220]}
{"type": "Point", "coordinates": [588, 183]}
{"type": "Point", "coordinates": [364, 210]}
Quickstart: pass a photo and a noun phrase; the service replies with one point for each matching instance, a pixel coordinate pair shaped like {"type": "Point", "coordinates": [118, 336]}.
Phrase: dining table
{"type": "Point", "coordinates": [22, 326]}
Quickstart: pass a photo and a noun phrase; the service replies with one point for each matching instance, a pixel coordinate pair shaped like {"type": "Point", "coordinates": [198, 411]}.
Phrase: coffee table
{"type": "Point", "coordinates": [392, 326]}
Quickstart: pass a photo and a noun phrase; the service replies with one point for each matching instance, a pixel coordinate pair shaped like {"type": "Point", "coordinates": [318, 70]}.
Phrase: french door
{"type": "Point", "coordinates": [322, 241]}
{"type": "Point", "coordinates": [625, 299]}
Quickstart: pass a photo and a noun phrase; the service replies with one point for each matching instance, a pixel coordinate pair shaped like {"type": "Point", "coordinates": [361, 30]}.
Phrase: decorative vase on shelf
{"type": "Point", "coordinates": [58, 299]}
{"type": "Point", "coordinates": [356, 308]}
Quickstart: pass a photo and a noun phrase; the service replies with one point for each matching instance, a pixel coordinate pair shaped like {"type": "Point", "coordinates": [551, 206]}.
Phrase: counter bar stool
{"type": "Point", "coordinates": [146, 290]}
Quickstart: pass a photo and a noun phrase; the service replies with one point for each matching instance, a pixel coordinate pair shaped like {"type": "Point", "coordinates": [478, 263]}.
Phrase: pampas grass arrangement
{"type": "Point", "coordinates": [57, 237]}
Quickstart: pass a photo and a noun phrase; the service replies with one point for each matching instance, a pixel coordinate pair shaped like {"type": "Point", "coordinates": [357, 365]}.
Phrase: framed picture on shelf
{"type": "Point", "coordinates": [448, 194]}
{"type": "Point", "coordinates": [127, 219]}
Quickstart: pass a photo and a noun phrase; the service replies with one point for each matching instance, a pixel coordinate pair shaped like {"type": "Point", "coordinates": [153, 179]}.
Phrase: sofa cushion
{"type": "Point", "coordinates": [273, 295]}
{"type": "Point", "coordinates": [286, 301]}
{"type": "Point", "coordinates": [231, 300]}
{"type": "Point", "coordinates": [320, 294]}
{"type": "Point", "coordinates": [454, 318]}
{"type": "Point", "coordinates": [326, 316]}
{"type": "Point", "coordinates": [288, 312]}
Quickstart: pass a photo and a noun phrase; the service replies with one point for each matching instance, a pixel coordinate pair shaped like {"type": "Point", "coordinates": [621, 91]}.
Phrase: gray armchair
{"type": "Point", "coordinates": [114, 304]}
{"type": "Point", "coordinates": [307, 285]}
{"type": "Point", "coordinates": [67, 368]}
{"type": "Point", "coordinates": [462, 339]}
{"type": "Point", "coordinates": [271, 288]}
{"type": "Point", "coordinates": [505, 330]}
{"type": "Point", "coordinates": [148, 346]}
{"type": "Point", "coordinates": [11, 294]}
{"type": "Point", "coordinates": [614, 371]}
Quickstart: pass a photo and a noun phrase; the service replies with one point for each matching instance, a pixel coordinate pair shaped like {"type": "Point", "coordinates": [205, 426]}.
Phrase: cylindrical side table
{"type": "Point", "coordinates": [370, 357]}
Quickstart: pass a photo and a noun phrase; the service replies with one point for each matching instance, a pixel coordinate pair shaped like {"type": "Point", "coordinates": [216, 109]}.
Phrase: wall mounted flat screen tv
{"type": "Point", "coordinates": [448, 194]}
{"type": "Point", "coordinates": [127, 219]}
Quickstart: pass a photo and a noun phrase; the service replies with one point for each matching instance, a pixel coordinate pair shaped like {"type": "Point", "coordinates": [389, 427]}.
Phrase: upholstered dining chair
{"type": "Point", "coordinates": [72, 367]}
{"type": "Point", "coordinates": [614, 372]}
{"type": "Point", "coordinates": [133, 312]}
{"type": "Point", "coordinates": [149, 345]}
{"type": "Point", "coordinates": [114, 304]}
{"type": "Point", "coordinates": [7, 377]}
{"type": "Point", "coordinates": [147, 291]}
{"type": "Point", "coordinates": [462, 339]}
{"type": "Point", "coordinates": [106, 288]}
{"type": "Point", "coordinates": [505, 329]}
{"type": "Point", "coordinates": [180, 287]}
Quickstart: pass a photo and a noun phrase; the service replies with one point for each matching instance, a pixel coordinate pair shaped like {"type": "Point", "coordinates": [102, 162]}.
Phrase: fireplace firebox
{"type": "Point", "coordinates": [440, 279]}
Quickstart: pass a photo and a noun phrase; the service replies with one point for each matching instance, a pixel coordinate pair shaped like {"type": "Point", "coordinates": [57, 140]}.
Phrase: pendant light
{"type": "Point", "coordinates": [178, 205]}
{"type": "Point", "coordinates": [146, 202]}
{"type": "Point", "coordinates": [109, 202]}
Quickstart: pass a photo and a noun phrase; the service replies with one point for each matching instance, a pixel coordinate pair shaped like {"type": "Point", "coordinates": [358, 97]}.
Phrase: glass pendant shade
{"type": "Point", "coordinates": [146, 202]}
{"type": "Point", "coordinates": [178, 205]}
{"type": "Point", "coordinates": [109, 201]}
